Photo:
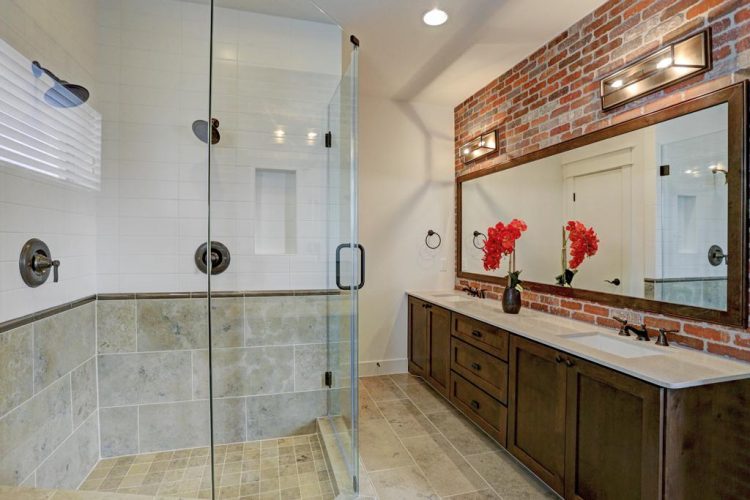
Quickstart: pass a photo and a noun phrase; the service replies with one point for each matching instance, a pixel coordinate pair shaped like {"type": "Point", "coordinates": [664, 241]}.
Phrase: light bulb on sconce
{"type": "Point", "coordinates": [664, 63]}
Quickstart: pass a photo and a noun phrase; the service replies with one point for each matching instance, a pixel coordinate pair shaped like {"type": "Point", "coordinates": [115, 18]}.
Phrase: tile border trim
{"type": "Point", "coordinates": [15, 323]}
{"type": "Point", "coordinates": [12, 324]}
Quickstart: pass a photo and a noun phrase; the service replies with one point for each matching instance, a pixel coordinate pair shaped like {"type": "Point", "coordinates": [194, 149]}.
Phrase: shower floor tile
{"type": "Point", "coordinates": [286, 468]}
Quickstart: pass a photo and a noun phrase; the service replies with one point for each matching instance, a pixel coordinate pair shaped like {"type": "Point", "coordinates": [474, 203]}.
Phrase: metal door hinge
{"type": "Point", "coordinates": [329, 379]}
{"type": "Point", "coordinates": [329, 139]}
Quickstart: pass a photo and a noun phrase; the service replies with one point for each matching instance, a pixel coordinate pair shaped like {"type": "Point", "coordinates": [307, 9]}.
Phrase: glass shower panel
{"type": "Point", "coordinates": [275, 68]}
{"type": "Point", "coordinates": [346, 277]}
{"type": "Point", "coordinates": [692, 203]}
{"type": "Point", "coordinates": [104, 94]}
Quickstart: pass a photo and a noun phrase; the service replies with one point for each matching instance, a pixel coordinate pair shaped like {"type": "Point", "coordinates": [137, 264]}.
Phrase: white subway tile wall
{"type": "Point", "coordinates": [34, 206]}
{"type": "Point", "coordinates": [270, 95]}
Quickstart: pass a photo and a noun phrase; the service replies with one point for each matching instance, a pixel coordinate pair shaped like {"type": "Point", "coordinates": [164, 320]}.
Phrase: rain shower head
{"type": "Point", "coordinates": [200, 129]}
{"type": "Point", "coordinates": [62, 94]}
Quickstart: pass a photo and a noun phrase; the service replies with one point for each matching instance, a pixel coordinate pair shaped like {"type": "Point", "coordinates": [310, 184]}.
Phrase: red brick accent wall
{"type": "Point", "coordinates": [553, 95]}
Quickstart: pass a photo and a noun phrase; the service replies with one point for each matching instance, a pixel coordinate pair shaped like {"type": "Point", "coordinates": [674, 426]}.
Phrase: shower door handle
{"type": "Point", "coordinates": [361, 265]}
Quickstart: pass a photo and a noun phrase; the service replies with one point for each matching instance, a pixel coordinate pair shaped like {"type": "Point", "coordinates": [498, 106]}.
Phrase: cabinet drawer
{"type": "Point", "coordinates": [483, 409]}
{"type": "Point", "coordinates": [487, 337]}
{"type": "Point", "coordinates": [483, 370]}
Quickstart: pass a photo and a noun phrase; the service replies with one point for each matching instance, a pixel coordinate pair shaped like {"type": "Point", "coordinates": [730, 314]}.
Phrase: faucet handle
{"type": "Point", "coordinates": [662, 338]}
{"type": "Point", "coordinates": [623, 323]}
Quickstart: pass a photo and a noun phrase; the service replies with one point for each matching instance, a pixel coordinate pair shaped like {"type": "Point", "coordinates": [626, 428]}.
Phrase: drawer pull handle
{"type": "Point", "coordinates": [428, 306]}
{"type": "Point", "coordinates": [476, 366]}
{"type": "Point", "coordinates": [475, 404]}
{"type": "Point", "coordinates": [569, 362]}
{"type": "Point", "coordinates": [558, 359]}
{"type": "Point", "coordinates": [477, 333]}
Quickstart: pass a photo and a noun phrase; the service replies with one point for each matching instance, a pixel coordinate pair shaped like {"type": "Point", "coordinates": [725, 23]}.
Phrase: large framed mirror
{"type": "Point", "coordinates": [665, 194]}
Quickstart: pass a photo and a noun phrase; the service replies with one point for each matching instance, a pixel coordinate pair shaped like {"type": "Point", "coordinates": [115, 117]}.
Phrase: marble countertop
{"type": "Point", "coordinates": [672, 367]}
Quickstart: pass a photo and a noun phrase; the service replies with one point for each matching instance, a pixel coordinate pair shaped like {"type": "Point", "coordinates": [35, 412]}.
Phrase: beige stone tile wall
{"type": "Point", "coordinates": [269, 359]}
{"type": "Point", "coordinates": [49, 427]}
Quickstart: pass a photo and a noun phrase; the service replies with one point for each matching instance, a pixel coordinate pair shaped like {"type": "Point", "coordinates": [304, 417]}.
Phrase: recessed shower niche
{"type": "Point", "coordinates": [276, 211]}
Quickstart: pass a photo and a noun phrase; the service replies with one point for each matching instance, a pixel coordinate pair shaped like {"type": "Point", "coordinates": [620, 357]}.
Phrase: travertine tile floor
{"type": "Point", "coordinates": [287, 468]}
{"type": "Point", "coordinates": [415, 445]}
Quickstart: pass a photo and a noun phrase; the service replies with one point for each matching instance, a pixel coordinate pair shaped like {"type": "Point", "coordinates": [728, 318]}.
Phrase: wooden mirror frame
{"type": "Point", "coordinates": [736, 314]}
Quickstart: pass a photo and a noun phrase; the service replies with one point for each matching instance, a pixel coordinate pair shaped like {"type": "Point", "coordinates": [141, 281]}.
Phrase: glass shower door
{"type": "Point", "coordinates": [347, 277]}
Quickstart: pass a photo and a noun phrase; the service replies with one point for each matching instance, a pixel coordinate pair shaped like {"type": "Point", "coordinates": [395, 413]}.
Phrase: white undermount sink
{"type": "Point", "coordinates": [624, 348]}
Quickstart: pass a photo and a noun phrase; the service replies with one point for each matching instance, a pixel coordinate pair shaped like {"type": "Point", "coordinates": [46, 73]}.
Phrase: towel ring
{"type": "Point", "coordinates": [477, 234]}
{"type": "Point", "coordinates": [427, 239]}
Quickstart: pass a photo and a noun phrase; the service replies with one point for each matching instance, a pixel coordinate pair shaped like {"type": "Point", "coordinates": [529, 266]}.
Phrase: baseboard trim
{"type": "Point", "coordinates": [384, 367]}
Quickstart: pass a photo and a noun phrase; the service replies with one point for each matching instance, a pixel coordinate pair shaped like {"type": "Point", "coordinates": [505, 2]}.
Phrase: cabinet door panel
{"type": "Point", "coordinates": [536, 423]}
{"type": "Point", "coordinates": [418, 346]}
{"type": "Point", "coordinates": [613, 435]}
{"type": "Point", "coordinates": [439, 338]}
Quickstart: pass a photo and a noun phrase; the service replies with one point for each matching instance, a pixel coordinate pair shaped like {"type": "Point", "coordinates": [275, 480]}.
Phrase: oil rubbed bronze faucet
{"type": "Point", "coordinates": [625, 329]}
{"type": "Point", "coordinates": [474, 292]}
{"type": "Point", "coordinates": [641, 333]}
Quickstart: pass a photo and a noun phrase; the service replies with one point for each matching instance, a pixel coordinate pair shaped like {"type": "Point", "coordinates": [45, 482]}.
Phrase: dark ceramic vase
{"type": "Point", "coordinates": [511, 300]}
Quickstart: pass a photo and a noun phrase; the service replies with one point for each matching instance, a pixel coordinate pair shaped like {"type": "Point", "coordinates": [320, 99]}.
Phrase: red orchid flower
{"type": "Point", "coordinates": [501, 241]}
{"type": "Point", "coordinates": [583, 242]}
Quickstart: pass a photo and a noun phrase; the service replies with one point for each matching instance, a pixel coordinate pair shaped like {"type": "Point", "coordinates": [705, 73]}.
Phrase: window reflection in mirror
{"type": "Point", "coordinates": [657, 198]}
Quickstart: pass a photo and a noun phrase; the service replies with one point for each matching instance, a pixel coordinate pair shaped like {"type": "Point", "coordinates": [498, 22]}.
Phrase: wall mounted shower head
{"type": "Point", "coordinates": [200, 129]}
{"type": "Point", "coordinates": [62, 94]}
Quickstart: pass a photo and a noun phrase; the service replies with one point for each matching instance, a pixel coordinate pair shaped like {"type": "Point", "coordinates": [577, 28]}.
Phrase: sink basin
{"type": "Point", "coordinates": [625, 348]}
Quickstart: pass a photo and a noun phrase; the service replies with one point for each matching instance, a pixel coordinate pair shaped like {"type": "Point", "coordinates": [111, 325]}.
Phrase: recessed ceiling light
{"type": "Point", "coordinates": [435, 17]}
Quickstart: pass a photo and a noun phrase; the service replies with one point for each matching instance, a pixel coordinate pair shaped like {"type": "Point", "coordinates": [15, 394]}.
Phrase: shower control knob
{"type": "Point", "coordinates": [41, 263]}
{"type": "Point", "coordinates": [36, 263]}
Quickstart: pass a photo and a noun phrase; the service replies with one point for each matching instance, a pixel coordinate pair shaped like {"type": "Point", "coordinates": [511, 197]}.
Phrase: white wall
{"type": "Point", "coordinates": [32, 206]}
{"type": "Point", "coordinates": [406, 186]}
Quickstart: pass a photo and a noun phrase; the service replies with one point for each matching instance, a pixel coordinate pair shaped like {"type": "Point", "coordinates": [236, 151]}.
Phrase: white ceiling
{"type": "Point", "coordinates": [404, 59]}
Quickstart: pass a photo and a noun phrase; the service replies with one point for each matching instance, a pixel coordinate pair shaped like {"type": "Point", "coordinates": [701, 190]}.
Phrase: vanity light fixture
{"type": "Point", "coordinates": [671, 64]}
{"type": "Point", "coordinates": [479, 147]}
{"type": "Point", "coordinates": [435, 17]}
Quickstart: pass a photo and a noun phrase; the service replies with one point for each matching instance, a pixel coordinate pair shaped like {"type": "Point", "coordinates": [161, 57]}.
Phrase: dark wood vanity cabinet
{"type": "Point", "coordinates": [589, 432]}
{"type": "Point", "coordinates": [429, 343]}
{"type": "Point", "coordinates": [536, 417]}
{"type": "Point", "coordinates": [613, 436]}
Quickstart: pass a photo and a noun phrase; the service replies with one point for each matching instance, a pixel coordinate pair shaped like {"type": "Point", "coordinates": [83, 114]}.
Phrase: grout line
{"type": "Point", "coordinates": [138, 429]}
{"type": "Point", "coordinates": [44, 389]}
{"type": "Point", "coordinates": [62, 443]}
